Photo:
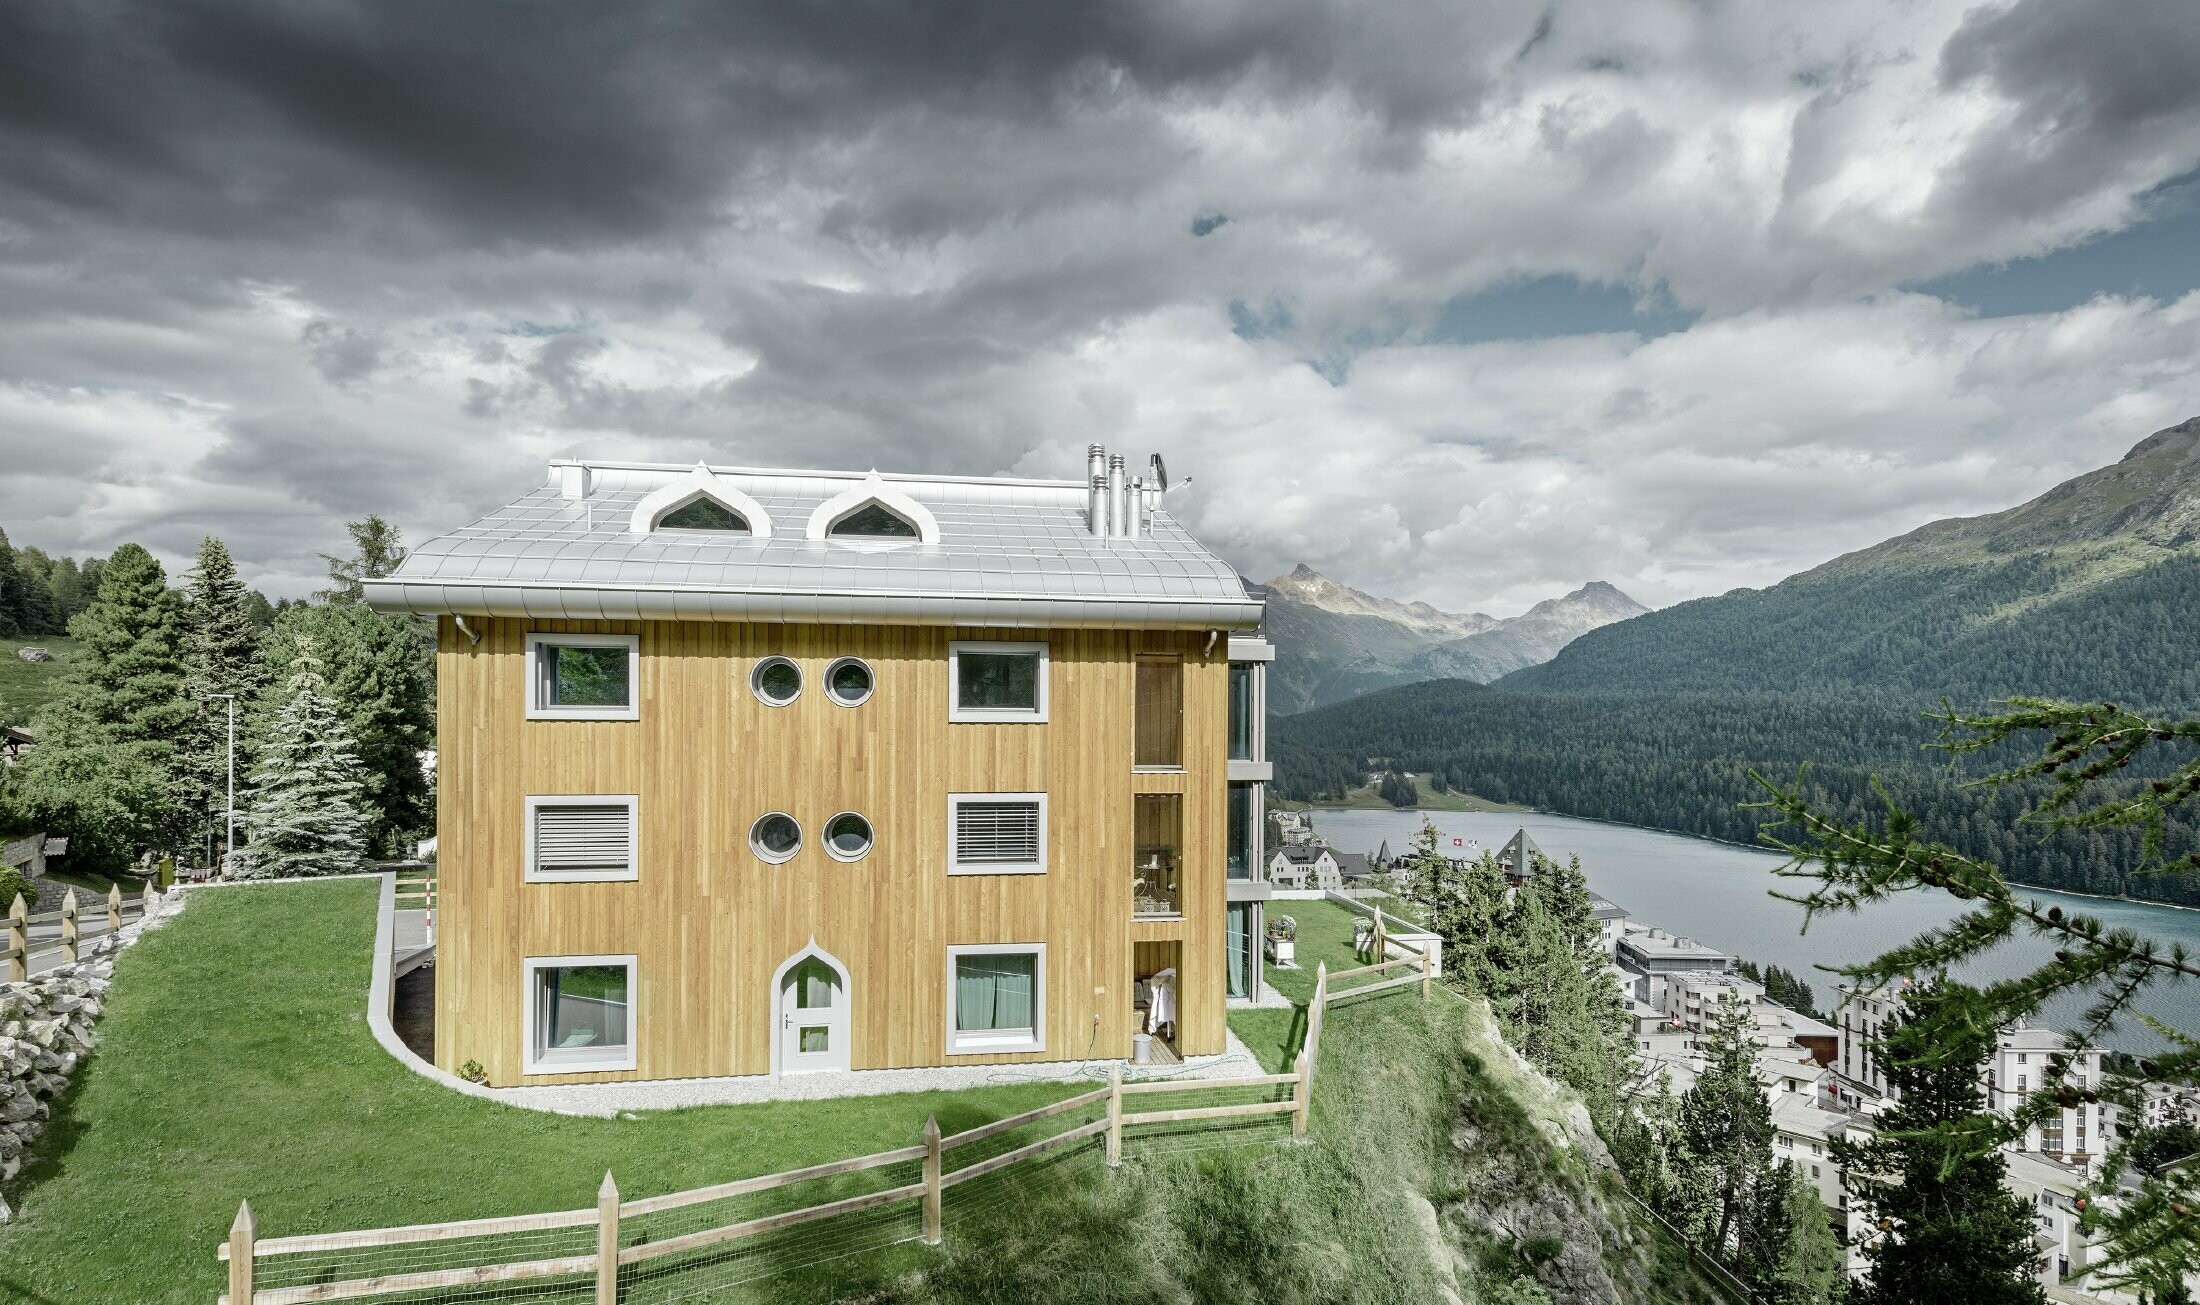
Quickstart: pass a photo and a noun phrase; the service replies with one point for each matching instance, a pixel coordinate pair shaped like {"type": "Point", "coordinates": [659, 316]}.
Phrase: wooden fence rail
{"type": "Point", "coordinates": [244, 1252]}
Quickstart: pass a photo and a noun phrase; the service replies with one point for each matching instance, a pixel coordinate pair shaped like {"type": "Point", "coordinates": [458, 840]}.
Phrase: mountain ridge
{"type": "Point", "coordinates": [1334, 641]}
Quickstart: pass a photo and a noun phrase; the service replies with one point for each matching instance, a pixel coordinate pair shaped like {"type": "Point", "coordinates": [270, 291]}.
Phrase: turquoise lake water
{"type": "Point", "coordinates": [1719, 894]}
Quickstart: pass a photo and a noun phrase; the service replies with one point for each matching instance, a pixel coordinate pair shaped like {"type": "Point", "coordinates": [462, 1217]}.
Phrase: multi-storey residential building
{"type": "Point", "coordinates": [2081, 1132]}
{"type": "Point", "coordinates": [755, 771]}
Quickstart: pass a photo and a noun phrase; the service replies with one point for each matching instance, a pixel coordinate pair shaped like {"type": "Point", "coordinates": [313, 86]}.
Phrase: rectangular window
{"type": "Point", "coordinates": [996, 998]}
{"type": "Point", "coordinates": [996, 833]}
{"type": "Point", "coordinates": [989, 681]}
{"type": "Point", "coordinates": [1157, 874]}
{"type": "Point", "coordinates": [583, 838]}
{"type": "Point", "coordinates": [1238, 950]}
{"type": "Point", "coordinates": [1241, 711]}
{"type": "Point", "coordinates": [1160, 714]}
{"type": "Point", "coordinates": [579, 1014]}
{"type": "Point", "coordinates": [583, 676]}
{"type": "Point", "coordinates": [1244, 823]}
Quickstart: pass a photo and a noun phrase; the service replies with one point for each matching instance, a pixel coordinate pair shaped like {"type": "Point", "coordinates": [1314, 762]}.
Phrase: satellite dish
{"type": "Point", "coordinates": [1160, 472]}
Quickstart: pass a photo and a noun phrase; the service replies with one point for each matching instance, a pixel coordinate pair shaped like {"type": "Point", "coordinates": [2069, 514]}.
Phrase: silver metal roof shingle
{"type": "Point", "coordinates": [1010, 552]}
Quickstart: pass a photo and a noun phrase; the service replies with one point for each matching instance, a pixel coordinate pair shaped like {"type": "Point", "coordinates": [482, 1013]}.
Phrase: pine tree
{"type": "Point", "coordinates": [11, 592]}
{"type": "Point", "coordinates": [376, 553]}
{"type": "Point", "coordinates": [103, 772]}
{"type": "Point", "coordinates": [224, 657]}
{"type": "Point", "coordinates": [35, 610]}
{"type": "Point", "coordinates": [1788, 1253]}
{"type": "Point", "coordinates": [1931, 1181]}
{"type": "Point", "coordinates": [304, 816]}
{"type": "Point", "coordinates": [1725, 1124]}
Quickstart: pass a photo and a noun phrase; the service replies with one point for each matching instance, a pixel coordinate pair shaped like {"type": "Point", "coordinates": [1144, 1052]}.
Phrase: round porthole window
{"type": "Point", "coordinates": [776, 681]}
{"type": "Point", "coordinates": [848, 681]}
{"type": "Point", "coordinates": [847, 837]}
{"type": "Point", "coordinates": [776, 837]}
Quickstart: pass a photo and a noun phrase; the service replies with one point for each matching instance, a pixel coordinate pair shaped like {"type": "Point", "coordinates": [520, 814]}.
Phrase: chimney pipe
{"type": "Point", "coordinates": [1138, 509]}
{"type": "Point", "coordinates": [1096, 476]}
{"type": "Point", "coordinates": [1119, 503]}
{"type": "Point", "coordinates": [574, 481]}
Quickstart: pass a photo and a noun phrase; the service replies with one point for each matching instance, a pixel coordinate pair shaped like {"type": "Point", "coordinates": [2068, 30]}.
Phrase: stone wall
{"type": "Point", "coordinates": [47, 1029]}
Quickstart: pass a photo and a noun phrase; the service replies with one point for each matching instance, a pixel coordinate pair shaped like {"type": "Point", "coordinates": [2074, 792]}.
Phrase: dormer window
{"type": "Point", "coordinates": [872, 515]}
{"type": "Point", "coordinates": [704, 513]}
{"type": "Point", "coordinates": [701, 503]}
{"type": "Point", "coordinates": [871, 521]}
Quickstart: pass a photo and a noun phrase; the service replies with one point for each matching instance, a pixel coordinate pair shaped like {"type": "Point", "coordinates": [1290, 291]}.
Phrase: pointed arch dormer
{"type": "Point", "coordinates": [876, 514]}
{"type": "Point", "coordinates": [700, 503]}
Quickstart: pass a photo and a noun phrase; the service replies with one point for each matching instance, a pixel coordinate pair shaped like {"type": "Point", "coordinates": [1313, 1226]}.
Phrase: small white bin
{"type": "Point", "coordinates": [1141, 1048]}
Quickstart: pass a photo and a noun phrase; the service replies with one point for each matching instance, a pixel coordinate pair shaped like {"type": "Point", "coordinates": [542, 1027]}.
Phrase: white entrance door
{"type": "Point", "coordinates": [813, 1017]}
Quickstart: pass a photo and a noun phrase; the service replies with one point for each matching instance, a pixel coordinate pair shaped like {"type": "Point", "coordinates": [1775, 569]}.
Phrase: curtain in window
{"type": "Point", "coordinates": [1238, 950]}
{"type": "Point", "coordinates": [994, 992]}
{"type": "Point", "coordinates": [813, 986]}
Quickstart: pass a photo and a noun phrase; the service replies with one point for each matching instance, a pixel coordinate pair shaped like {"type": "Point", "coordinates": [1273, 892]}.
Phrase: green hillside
{"type": "Point", "coordinates": [25, 686]}
{"type": "Point", "coordinates": [2091, 591]}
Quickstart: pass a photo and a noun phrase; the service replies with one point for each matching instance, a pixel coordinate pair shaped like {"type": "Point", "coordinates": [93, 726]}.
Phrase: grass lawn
{"type": "Point", "coordinates": [25, 685]}
{"type": "Point", "coordinates": [1325, 935]}
{"type": "Point", "coordinates": [235, 1062]}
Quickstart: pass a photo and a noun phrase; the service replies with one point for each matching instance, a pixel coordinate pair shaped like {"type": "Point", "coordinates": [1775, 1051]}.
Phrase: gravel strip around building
{"type": "Point", "coordinates": [609, 1099]}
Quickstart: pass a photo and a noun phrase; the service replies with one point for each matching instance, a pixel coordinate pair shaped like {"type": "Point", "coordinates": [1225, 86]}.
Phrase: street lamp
{"type": "Point", "coordinates": [229, 808]}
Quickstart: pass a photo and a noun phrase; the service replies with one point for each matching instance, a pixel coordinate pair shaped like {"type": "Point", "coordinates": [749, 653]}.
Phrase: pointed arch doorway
{"type": "Point", "coordinates": [810, 1005]}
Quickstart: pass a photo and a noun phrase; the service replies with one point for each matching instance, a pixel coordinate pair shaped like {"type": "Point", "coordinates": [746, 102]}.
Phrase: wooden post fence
{"type": "Point", "coordinates": [114, 908]}
{"type": "Point", "coordinates": [931, 1181]}
{"type": "Point", "coordinates": [240, 1256]}
{"type": "Point", "coordinates": [146, 900]}
{"type": "Point", "coordinates": [1115, 1115]}
{"type": "Point", "coordinates": [1428, 969]}
{"type": "Point", "coordinates": [68, 927]}
{"type": "Point", "coordinates": [1314, 1012]}
{"type": "Point", "coordinates": [19, 941]}
{"type": "Point", "coordinates": [1302, 1096]}
{"type": "Point", "coordinates": [607, 1242]}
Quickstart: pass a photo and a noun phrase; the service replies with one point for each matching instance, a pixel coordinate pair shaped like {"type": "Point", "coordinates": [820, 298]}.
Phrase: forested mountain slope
{"type": "Point", "coordinates": [2090, 591]}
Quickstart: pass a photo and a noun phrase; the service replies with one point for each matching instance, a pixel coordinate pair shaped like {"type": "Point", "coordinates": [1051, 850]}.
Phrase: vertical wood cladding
{"type": "Point", "coordinates": [710, 922]}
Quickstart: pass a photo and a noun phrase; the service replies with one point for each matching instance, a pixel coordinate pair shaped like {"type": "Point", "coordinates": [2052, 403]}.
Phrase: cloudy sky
{"type": "Point", "coordinates": [1469, 303]}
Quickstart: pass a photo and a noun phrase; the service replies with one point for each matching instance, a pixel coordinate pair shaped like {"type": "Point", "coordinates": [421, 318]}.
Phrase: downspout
{"type": "Point", "coordinates": [1209, 650]}
{"type": "Point", "coordinates": [472, 636]}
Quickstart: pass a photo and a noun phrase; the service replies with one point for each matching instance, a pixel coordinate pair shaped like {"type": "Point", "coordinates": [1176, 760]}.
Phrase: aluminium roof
{"type": "Point", "coordinates": [1009, 552]}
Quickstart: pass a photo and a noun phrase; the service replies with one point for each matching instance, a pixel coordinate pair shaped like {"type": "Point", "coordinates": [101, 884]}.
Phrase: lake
{"type": "Point", "coordinates": [1719, 893]}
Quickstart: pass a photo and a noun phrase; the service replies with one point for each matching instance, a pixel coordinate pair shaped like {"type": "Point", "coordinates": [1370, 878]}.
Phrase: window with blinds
{"type": "Point", "coordinates": [997, 833]}
{"type": "Point", "coordinates": [581, 838]}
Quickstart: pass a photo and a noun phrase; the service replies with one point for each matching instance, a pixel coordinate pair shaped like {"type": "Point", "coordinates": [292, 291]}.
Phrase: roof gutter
{"type": "Point", "coordinates": [537, 600]}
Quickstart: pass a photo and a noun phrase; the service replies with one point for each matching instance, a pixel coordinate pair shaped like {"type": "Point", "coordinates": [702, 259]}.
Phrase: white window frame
{"type": "Point", "coordinates": [633, 804]}
{"type": "Point", "coordinates": [763, 664]}
{"type": "Point", "coordinates": [576, 1060]}
{"type": "Point", "coordinates": [756, 849]}
{"type": "Point", "coordinates": [868, 669]}
{"type": "Point", "coordinates": [537, 709]}
{"type": "Point", "coordinates": [959, 714]}
{"type": "Point", "coordinates": [826, 838]}
{"type": "Point", "coordinates": [955, 865]}
{"type": "Point", "coordinates": [994, 1043]}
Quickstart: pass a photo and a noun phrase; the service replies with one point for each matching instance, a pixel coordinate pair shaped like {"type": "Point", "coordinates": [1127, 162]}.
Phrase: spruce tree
{"type": "Point", "coordinates": [224, 657]}
{"type": "Point", "coordinates": [1788, 1252]}
{"type": "Point", "coordinates": [1931, 1183]}
{"type": "Point", "coordinates": [381, 675]}
{"type": "Point", "coordinates": [1726, 1126]}
{"type": "Point", "coordinates": [304, 816]}
{"type": "Point", "coordinates": [103, 773]}
{"type": "Point", "coordinates": [129, 672]}
{"type": "Point", "coordinates": [35, 610]}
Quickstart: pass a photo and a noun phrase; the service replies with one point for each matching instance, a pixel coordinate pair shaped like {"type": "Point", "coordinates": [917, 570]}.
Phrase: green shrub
{"type": "Point", "coordinates": [13, 881]}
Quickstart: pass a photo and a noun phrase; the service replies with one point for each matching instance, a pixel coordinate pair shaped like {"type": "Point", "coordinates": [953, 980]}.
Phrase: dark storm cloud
{"type": "Point", "coordinates": [508, 122]}
{"type": "Point", "coordinates": [2099, 87]}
